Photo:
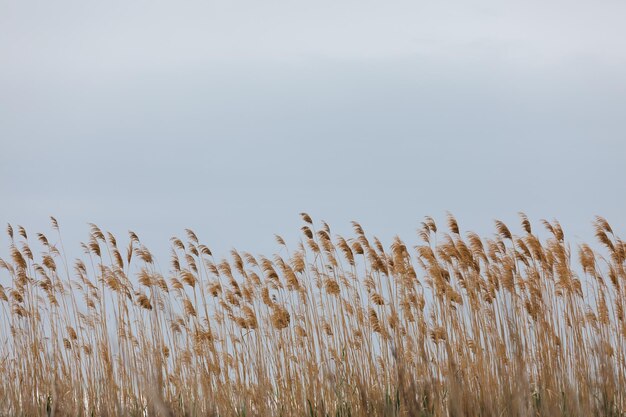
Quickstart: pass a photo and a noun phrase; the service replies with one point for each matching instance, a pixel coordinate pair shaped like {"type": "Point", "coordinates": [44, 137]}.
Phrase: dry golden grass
{"type": "Point", "coordinates": [458, 325]}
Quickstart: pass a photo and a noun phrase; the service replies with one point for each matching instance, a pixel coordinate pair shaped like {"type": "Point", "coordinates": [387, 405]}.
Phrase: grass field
{"type": "Point", "coordinates": [452, 324]}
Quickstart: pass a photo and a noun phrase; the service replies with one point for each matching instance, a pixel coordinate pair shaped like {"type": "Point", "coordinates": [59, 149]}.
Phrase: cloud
{"type": "Point", "coordinates": [112, 39]}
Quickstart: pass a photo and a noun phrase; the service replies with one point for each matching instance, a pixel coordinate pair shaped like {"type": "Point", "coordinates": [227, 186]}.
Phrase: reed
{"type": "Point", "coordinates": [456, 325]}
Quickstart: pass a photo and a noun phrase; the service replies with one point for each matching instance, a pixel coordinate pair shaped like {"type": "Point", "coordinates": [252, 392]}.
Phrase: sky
{"type": "Point", "coordinates": [232, 117]}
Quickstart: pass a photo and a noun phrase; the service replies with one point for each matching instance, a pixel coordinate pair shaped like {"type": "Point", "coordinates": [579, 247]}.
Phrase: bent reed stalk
{"type": "Point", "coordinates": [458, 325]}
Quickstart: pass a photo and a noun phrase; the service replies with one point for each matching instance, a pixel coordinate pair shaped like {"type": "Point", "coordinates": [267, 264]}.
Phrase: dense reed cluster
{"type": "Point", "coordinates": [458, 325]}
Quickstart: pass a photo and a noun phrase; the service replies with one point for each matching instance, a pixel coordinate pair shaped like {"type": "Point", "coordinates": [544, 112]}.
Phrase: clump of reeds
{"type": "Point", "coordinates": [458, 325]}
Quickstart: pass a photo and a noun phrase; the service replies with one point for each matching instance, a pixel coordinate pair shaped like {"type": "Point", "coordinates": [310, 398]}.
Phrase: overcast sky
{"type": "Point", "coordinates": [232, 117]}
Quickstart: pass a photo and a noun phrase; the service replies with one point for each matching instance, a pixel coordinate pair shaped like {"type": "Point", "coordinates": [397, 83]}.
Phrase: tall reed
{"type": "Point", "coordinates": [457, 325]}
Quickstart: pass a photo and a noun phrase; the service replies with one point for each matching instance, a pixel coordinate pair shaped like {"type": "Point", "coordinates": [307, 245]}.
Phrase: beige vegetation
{"type": "Point", "coordinates": [458, 325]}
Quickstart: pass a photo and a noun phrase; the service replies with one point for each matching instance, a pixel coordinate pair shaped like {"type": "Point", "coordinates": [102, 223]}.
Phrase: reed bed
{"type": "Point", "coordinates": [456, 325]}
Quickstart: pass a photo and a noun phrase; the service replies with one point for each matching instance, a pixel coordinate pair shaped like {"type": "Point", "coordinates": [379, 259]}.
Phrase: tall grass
{"type": "Point", "coordinates": [458, 325]}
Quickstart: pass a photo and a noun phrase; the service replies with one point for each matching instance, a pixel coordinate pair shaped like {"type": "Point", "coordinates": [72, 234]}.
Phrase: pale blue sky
{"type": "Point", "coordinates": [232, 117]}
